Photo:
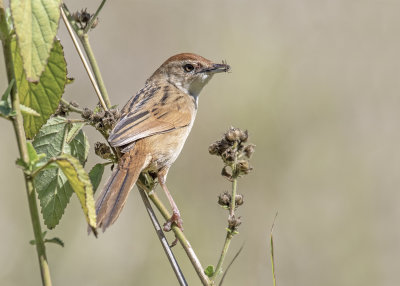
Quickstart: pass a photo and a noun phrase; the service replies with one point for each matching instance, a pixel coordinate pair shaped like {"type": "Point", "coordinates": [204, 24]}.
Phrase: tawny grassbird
{"type": "Point", "coordinates": [153, 129]}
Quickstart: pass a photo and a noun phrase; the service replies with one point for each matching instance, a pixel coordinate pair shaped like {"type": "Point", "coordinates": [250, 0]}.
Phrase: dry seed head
{"type": "Point", "coordinates": [84, 16]}
{"type": "Point", "coordinates": [244, 167]}
{"type": "Point", "coordinates": [249, 150]}
{"type": "Point", "coordinates": [87, 113]}
{"type": "Point", "coordinates": [224, 199]}
{"type": "Point", "coordinates": [213, 149]}
{"type": "Point", "coordinates": [239, 200]}
{"type": "Point", "coordinates": [226, 173]}
{"type": "Point", "coordinates": [234, 222]}
{"type": "Point", "coordinates": [102, 150]}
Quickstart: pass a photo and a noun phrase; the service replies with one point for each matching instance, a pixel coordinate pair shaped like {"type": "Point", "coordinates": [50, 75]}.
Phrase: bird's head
{"type": "Point", "coordinates": [188, 72]}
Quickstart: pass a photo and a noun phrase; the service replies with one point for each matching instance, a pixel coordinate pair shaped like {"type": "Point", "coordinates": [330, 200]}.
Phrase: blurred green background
{"type": "Point", "coordinates": [315, 82]}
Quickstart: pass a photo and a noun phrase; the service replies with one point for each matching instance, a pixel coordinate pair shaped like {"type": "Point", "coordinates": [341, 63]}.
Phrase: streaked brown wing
{"type": "Point", "coordinates": [152, 113]}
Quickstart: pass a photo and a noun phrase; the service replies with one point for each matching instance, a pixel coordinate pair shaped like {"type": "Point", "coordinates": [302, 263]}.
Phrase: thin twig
{"type": "Point", "coordinates": [221, 259]}
{"type": "Point", "coordinates": [179, 235]}
{"type": "Point", "coordinates": [163, 239]}
{"type": "Point", "coordinates": [229, 233]}
{"type": "Point", "coordinates": [93, 17]}
{"type": "Point", "coordinates": [23, 151]}
{"type": "Point", "coordinates": [70, 106]}
{"type": "Point", "coordinates": [272, 250]}
{"type": "Point", "coordinates": [230, 264]}
{"type": "Point", "coordinates": [95, 67]}
{"type": "Point", "coordinates": [83, 59]}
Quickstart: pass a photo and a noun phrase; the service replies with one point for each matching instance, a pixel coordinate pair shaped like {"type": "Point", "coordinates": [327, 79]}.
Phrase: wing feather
{"type": "Point", "coordinates": [168, 109]}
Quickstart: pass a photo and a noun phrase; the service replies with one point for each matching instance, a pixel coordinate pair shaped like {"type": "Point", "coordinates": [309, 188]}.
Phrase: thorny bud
{"type": "Point", "coordinates": [74, 104]}
{"type": "Point", "coordinates": [76, 16]}
{"type": "Point", "coordinates": [95, 23]}
{"type": "Point", "coordinates": [224, 199]}
{"type": "Point", "coordinates": [243, 135]}
{"type": "Point", "coordinates": [231, 136]}
{"type": "Point", "coordinates": [233, 222]}
{"type": "Point", "coordinates": [61, 110]}
{"type": "Point", "coordinates": [102, 150]}
{"type": "Point", "coordinates": [87, 113]}
{"type": "Point", "coordinates": [83, 18]}
{"type": "Point", "coordinates": [213, 149]}
{"type": "Point", "coordinates": [229, 155]}
{"type": "Point", "coordinates": [97, 117]}
{"type": "Point", "coordinates": [249, 150]}
{"type": "Point", "coordinates": [239, 200]}
{"type": "Point", "coordinates": [244, 167]}
{"type": "Point", "coordinates": [226, 173]}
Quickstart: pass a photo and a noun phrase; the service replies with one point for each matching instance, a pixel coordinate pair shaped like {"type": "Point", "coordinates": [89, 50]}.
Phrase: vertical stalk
{"type": "Point", "coordinates": [229, 233]}
{"type": "Point", "coordinates": [233, 200]}
{"type": "Point", "coordinates": [179, 235]}
{"type": "Point", "coordinates": [23, 151]}
{"type": "Point", "coordinates": [93, 63]}
{"type": "Point", "coordinates": [172, 260]}
{"type": "Point", "coordinates": [71, 30]}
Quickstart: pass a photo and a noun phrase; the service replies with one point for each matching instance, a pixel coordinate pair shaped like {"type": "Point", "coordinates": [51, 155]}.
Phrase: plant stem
{"type": "Point", "coordinates": [93, 17]}
{"type": "Point", "coordinates": [233, 198]}
{"type": "Point", "coordinates": [179, 235]}
{"type": "Point", "coordinates": [218, 268]}
{"type": "Point", "coordinates": [83, 59]}
{"type": "Point", "coordinates": [163, 240]}
{"type": "Point", "coordinates": [71, 107]}
{"type": "Point", "coordinates": [229, 233]}
{"type": "Point", "coordinates": [93, 63]}
{"type": "Point", "coordinates": [21, 141]}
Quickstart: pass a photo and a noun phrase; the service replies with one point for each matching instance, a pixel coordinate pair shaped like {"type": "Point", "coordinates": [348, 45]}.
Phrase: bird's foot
{"type": "Point", "coordinates": [175, 218]}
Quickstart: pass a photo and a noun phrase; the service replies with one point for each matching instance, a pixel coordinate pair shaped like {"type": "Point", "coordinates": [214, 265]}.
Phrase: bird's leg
{"type": "Point", "coordinates": [176, 217]}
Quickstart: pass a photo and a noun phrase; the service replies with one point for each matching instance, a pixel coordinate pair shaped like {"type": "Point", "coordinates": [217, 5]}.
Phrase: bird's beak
{"type": "Point", "coordinates": [216, 68]}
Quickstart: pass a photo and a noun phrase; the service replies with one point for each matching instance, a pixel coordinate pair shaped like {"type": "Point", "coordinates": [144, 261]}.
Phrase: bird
{"type": "Point", "coordinates": [152, 130]}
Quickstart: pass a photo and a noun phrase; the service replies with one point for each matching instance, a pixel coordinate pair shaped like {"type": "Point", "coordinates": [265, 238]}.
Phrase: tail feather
{"type": "Point", "coordinates": [115, 192]}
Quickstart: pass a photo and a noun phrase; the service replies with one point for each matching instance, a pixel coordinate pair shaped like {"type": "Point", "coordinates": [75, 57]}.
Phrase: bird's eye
{"type": "Point", "coordinates": [188, 67]}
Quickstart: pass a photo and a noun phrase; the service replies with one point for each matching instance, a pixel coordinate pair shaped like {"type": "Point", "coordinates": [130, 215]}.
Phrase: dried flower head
{"type": "Point", "coordinates": [87, 114]}
{"type": "Point", "coordinates": [102, 150]}
{"type": "Point", "coordinates": [61, 110]}
{"type": "Point", "coordinates": [233, 223]}
{"type": "Point", "coordinates": [239, 200]}
{"type": "Point", "coordinates": [83, 18]}
{"type": "Point", "coordinates": [233, 152]}
{"type": "Point", "coordinates": [224, 199]}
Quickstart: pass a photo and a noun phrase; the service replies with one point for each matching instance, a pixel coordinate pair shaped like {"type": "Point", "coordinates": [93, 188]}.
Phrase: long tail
{"type": "Point", "coordinates": [114, 194]}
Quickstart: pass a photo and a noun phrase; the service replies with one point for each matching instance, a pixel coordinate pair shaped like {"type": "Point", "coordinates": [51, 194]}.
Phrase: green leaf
{"type": "Point", "coordinates": [8, 90]}
{"type": "Point", "coordinates": [80, 182]}
{"type": "Point", "coordinates": [54, 190]}
{"type": "Point", "coordinates": [21, 163]}
{"type": "Point", "coordinates": [5, 105]}
{"type": "Point", "coordinates": [55, 240]}
{"type": "Point", "coordinates": [28, 111]}
{"type": "Point", "coordinates": [78, 147]}
{"type": "Point", "coordinates": [95, 176]}
{"type": "Point", "coordinates": [76, 127]}
{"type": "Point", "coordinates": [33, 156]}
{"type": "Point", "coordinates": [209, 271]}
{"type": "Point", "coordinates": [5, 108]}
{"type": "Point", "coordinates": [45, 95]}
{"type": "Point", "coordinates": [36, 24]}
